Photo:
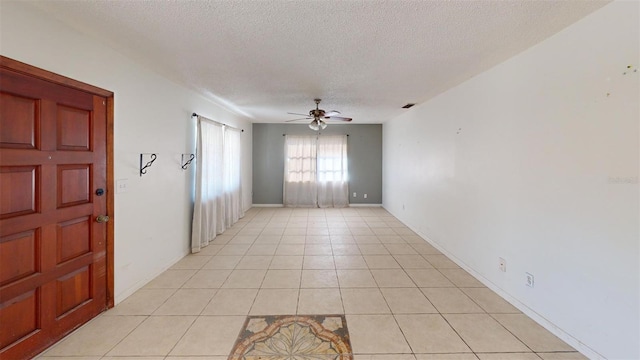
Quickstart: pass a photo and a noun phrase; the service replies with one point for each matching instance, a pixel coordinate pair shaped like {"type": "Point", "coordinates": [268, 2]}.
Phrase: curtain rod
{"type": "Point", "coordinates": [321, 134]}
{"type": "Point", "coordinates": [217, 122]}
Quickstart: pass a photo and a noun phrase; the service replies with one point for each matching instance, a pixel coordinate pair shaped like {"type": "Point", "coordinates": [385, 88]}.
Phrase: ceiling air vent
{"type": "Point", "coordinates": [408, 106]}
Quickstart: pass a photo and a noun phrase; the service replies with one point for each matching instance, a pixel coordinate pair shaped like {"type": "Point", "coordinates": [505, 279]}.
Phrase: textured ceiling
{"type": "Point", "coordinates": [364, 58]}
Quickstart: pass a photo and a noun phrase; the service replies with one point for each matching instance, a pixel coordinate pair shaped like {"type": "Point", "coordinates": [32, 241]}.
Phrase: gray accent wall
{"type": "Point", "coordinates": [364, 149]}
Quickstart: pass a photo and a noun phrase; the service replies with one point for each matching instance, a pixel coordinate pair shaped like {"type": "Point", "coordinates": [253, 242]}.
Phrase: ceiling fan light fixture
{"type": "Point", "coordinates": [317, 124]}
{"type": "Point", "coordinates": [314, 125]}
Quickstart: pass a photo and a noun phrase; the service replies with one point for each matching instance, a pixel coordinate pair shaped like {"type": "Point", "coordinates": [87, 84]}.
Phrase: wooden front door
{"type": "Point", "coordinates": [53, 186]}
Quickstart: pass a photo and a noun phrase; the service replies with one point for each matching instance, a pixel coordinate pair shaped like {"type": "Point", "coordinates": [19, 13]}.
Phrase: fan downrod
{"type": "Point", "coordinates": [317, 113]}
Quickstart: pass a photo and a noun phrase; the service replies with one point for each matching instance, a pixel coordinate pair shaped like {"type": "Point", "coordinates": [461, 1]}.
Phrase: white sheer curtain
{"type": "Point", "coordinates": [333, 182]}
{"type": "Point", "coordinates": [208, 211]}
{"type": "Point", "coordinates": [300, 172]}
{"type": "Point", "coordinates": [315, 171]}
{"type": "Point", "coordinates": [218, 193]}
{"type": "Point", "coordinates": [231, 172]}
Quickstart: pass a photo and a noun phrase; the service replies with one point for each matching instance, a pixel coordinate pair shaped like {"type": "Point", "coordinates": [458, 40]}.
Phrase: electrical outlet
{"type": "Point", "coordinates": [530, 281]}
{"type": "Point", "coordinates": [354, 194]}
{"type": "Point", "coordinates": [502, 264]}
{"type": "Point", "coordinates": [365, 196]}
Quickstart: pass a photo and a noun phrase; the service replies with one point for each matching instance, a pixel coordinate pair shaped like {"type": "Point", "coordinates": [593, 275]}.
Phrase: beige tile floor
{"type": "Point", "coordinates": [402, 298]}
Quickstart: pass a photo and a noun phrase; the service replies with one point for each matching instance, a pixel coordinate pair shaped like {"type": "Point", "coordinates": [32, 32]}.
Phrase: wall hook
{"type": "Point", "coordinates": [189, 157]}
{"type": "Point", "coordinates": [143, 169]}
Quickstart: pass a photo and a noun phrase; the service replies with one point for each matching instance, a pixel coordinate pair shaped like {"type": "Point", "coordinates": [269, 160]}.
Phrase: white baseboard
{"type": "Point", "coordinates": [118, 298]}
{"type": "Point", "coordinates": [541, 320]}
{"type": "Point", "coordinates": [281, 205]}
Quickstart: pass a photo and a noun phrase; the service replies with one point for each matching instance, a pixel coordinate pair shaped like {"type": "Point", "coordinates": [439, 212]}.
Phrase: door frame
{"type": "Point", "coordinates": [20, 67]}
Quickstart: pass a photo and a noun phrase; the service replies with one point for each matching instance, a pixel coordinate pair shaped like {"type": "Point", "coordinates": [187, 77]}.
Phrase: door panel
{"type": "Point", "coordinates": [74, 127]}
{"type": "Point", "coordinates": [22, 115]}
{"type": "Point", "coordinates": [74, 181]}
{"type": "Point", "coordinates": [22, 314]}
{"type": "Point", "coordinates": [18, 185]}
{"type": "Point", "coordinates": [74, 238]}
{"type": "Point", "coordinates": [53, 270]}
{"type": "Point", "coordinates": [18, 256]}
{"type": "Point", "coordinates": [72, 290]}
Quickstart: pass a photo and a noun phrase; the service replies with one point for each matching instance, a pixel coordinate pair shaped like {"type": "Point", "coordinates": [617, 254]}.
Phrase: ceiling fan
{"type": "Point", "coordinates": [319, 116]}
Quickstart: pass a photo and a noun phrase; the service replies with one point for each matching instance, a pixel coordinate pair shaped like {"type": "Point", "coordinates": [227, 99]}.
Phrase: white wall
{"type": "Point", "coordinates": [533, 162]}
{"type": "Point", "coordinates": [152, 115]}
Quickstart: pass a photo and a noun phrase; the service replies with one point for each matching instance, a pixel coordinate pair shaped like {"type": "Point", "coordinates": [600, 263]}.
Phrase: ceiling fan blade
{"type": "Point", "coordinates": [332, 113]}
{"type": "Point", "coordinates": [297, 114]}
{"type": "Point", "coordinates": [306, 118]}
{"type": "Point", "coordinates": [338, 118]}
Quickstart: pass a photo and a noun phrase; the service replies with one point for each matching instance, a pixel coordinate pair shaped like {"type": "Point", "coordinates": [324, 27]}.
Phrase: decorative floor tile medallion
{"type": "Point", "coordinates": [293, 337]}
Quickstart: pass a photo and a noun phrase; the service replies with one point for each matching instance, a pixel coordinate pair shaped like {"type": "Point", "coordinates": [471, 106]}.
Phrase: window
{"type": "Point", "coordinates": [218, 193]}
{"type": "Point", "coordinates": [316, 172]}
{"type": "Point", "coordinates": [300, 158]}
{"type": "Point", "coordinates": [332, 159]}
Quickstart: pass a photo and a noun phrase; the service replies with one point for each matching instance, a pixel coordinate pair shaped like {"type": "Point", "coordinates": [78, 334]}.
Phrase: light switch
{"type": "Point", "coordinates": [122, 186]}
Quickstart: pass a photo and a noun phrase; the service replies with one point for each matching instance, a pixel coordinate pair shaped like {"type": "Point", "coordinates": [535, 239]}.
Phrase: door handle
{"type": "Point", "coordinates": [102, 219]}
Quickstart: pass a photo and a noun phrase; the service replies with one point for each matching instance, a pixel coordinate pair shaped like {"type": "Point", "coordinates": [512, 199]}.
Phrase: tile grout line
{"type": "Point", "coordinates": [510, 332]}
{"type": "Point", "coordinates": [128, 334]}
{"type": "Point", "coordinates": [457, 333]}
{"type": "Point", "coordinates": [181, 337]}
{"type": "Point", "coordinates": [300, 281]}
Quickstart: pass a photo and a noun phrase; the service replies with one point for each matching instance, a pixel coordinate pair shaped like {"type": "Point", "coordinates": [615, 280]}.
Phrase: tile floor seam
{"type": "Point", "coordinates": [457, 333]}
{"type": "Point", "coordinates": [412, 280]}
{"type": "Point", "coordinates": [208, 302]}
{"type": "Point", "coordinates": [299, 288]}
{"type": "Point", "coordinates": [159, 306]}
{"type": "Point", "coordinates": [406, 340]}
{"type": "Point", "coordinates": [180, 339]}
{"type": "Point", "coordinates": [510, 332]}
{"type": "Point", "coordinates": [475, 302]}
{"type": "Point", "coordinates": [186, 281]}
{"type": "Point", "coordinates": [124, 337]}
{"type": "Point", "coordinates": [262, 281]}
{"type": "Point", "coordinates": [344, 311]}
